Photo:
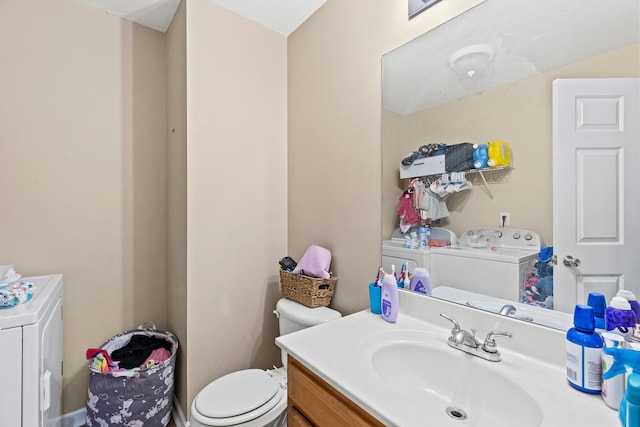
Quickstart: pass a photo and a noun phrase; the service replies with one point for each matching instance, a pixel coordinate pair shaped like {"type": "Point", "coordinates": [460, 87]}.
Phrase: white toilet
{"type": "Point", "coordinates": [253, 397]}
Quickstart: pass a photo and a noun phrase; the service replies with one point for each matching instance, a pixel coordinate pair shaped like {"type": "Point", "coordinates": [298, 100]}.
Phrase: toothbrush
{"type": "Point", "coordinates": [405, 267]}
{"type": "Point", "coordinates": [380, 276]}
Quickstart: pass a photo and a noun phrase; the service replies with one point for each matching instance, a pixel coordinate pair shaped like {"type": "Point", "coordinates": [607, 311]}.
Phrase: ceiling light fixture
{"type": "Point", "coordinates": [471, 61]}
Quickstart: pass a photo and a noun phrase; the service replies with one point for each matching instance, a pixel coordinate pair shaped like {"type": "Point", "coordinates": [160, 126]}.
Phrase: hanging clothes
{"type": "Point", "coordinates": [406, 212]}
{"type": "Point", "coordinates": [434, 206]}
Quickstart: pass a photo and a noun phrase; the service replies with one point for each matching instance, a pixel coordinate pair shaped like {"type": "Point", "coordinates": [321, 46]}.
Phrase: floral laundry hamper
{"type": "Point", "coordinates": [140, 398]}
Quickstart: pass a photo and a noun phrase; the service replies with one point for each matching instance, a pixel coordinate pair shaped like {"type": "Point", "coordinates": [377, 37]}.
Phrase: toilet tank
{"type": "Point", "coordinates": [293, 316]}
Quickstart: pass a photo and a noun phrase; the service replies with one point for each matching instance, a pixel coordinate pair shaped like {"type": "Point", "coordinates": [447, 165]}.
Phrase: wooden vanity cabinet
{"type": "Point", "coordinates": [313, 402]}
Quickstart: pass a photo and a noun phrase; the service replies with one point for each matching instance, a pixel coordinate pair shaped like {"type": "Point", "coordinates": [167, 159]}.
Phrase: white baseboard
{"type": "Point", "coordinates": [78, 418]}
{"type": "Point", "coordinates": [178, 416]}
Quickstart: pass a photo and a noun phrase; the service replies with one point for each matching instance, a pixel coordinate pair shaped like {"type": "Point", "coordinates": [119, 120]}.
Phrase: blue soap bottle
{"type": "Point", "coordinates": [389, 298]}
{"type": "Point", "coordinates": [584, 351]}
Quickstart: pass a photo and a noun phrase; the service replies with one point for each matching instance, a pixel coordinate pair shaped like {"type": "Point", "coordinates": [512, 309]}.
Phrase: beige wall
{"type": "Point", "coordinates": [82, 149]}
{"type": "Point", "coordinates": [520, 113]}
{"type": "Point", "coordinates": [176, 133]}
{"type": "Point", "coordinates": [236, 191]}
{"type": "Point", "coordinates": [272, 144]}
{"type": "Point", "coordinates": [334, 122]}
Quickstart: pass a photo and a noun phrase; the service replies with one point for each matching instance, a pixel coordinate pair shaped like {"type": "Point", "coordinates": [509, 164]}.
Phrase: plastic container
{"type": "Point", "coordinates": [480, 155]}
{"type": "Point", "coordinates": [612, 388]}
{"type": "Point", "coordinates": [421, 281]}
{"type": "Point", "coordinates": [423, 235]}
{"type": "Point", "coordinates": [599, 304]}
{"type": "Point", "coordinates": [630, 404]}
{"type": "Point", "coordinates": [389, 298]}
{"type": "Point", "coordinates": [635, 306]}
{"type": "Point", "coordinates": [619, 317]}
{"type": "Point", "coordinates": [584, 352]}
{"type": "Point", "coordinates": [499, 154]}
{"type": "Point", "coordinates": [374, 297]}
{"type": "Point", "coordinates": [625, 360]}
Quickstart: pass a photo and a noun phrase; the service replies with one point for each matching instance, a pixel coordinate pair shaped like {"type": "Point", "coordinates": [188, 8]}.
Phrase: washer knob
{"type": "Point", "coordinates": [528, 236]}
{"type": "Point", "coordinates": [516, 236]}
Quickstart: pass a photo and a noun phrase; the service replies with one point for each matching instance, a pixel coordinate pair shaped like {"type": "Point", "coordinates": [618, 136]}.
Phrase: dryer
{"type": "Point", "coordinates": [31, 357]}
{"type": "Point", "coordinates": [489, 261]}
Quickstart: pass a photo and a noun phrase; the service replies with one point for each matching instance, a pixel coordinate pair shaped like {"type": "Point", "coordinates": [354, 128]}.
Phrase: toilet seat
{"type": "Point", "coordinates": [237, 398]}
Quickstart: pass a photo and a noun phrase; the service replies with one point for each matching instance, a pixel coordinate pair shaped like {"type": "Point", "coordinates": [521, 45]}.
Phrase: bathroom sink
{"type": "Point", "coordinates": [406, 375]}
{"type": "Point", "coordinates": [452, 385]}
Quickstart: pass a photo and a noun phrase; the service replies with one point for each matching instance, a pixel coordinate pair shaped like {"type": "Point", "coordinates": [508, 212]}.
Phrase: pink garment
{"type": "Point", "coordinates": [156, 357]}
{"type": "Point", "coordinates": [407, 213]}
{"type": "Point", "coordinates": [91, 352]}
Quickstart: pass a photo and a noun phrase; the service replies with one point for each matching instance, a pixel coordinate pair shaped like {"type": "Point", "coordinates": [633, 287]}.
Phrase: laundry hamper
{"type": "Point", "coordinates": [141, 397]}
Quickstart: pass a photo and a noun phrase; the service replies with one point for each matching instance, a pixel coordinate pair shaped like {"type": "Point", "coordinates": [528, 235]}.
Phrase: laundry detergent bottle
{"type": "Point", "coordinates": [480, 155]}
{"type": "Point", "coordinates": [499, 154]}
{"type": "Point", "coordinates": [584, 348]}
{"type": "Point", "coordinates": [635, 307]}
{"type": "Point", "coordinates": [619, 317]}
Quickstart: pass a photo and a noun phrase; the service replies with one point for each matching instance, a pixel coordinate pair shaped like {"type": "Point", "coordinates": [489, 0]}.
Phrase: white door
{"type": "Point", "coordinates": [596, 188]}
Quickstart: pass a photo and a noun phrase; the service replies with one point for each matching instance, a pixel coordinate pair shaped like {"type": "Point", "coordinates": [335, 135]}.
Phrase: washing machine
{"type": "Point", "coordinates": [395, 252]}
{"type": "Point", "coordinates": [31, 357]}
{"type": "Point", "coordinates": [489, 261]}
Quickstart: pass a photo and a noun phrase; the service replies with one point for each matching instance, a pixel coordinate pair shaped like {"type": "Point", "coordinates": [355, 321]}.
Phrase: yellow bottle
{"type": "Point", "coordinates": [499, 154]}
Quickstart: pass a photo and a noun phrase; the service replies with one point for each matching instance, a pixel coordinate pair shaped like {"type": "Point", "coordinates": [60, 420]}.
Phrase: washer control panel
{"type": "Point", "coordinates": [511, 238]}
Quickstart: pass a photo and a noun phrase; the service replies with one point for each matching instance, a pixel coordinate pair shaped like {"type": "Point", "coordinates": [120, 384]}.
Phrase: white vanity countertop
{"type": "Point", "coordinates": [340, 353]}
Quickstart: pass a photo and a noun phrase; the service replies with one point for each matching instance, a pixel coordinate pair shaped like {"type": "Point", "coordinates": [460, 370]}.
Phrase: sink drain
{"type": "Point", "coordinates": [456, 413]}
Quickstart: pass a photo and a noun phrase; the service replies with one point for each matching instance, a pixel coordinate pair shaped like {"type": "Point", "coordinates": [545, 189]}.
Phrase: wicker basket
{"type": "Point", "coordinates": [309, 291]}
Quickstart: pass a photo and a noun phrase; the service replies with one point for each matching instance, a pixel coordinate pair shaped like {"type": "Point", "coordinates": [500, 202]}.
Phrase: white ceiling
{"type": "Point", "coordinates": [529, 37]}
{"type": "Point", "coordinates": [282, 16]}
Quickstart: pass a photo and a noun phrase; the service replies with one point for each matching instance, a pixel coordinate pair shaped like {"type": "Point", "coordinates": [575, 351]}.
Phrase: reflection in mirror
{"type": "Point", "coordinates": [487, 76]}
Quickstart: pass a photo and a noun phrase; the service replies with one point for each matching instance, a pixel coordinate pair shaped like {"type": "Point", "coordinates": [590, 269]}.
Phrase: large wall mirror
{"type": "Point", "coordinates": [487, 75]}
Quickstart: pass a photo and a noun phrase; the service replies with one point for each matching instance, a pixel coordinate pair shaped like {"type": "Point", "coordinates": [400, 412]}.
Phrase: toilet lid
{"type": "Point", "coordinates": [245, 394]}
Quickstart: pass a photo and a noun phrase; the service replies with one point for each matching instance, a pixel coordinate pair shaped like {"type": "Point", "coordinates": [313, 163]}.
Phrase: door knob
{"type": "Point", "coordinates": [570, 261]}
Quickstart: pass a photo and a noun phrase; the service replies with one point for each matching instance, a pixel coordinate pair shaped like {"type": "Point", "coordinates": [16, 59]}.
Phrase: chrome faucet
{"type": "Point", "coordinates": [467, 341]}
{"type": "Point", "coordinates": [507, 310]}
{"type": "Point", "coordinates": [510, 311]}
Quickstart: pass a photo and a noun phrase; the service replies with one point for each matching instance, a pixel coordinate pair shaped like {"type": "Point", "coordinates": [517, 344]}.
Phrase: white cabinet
{"type": "Point", "coordinates": [31, 357]}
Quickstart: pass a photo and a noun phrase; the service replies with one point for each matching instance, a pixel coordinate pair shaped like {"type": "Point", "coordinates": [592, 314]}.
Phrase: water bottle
{"type": "Point", "coordinates": [423, 236]}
